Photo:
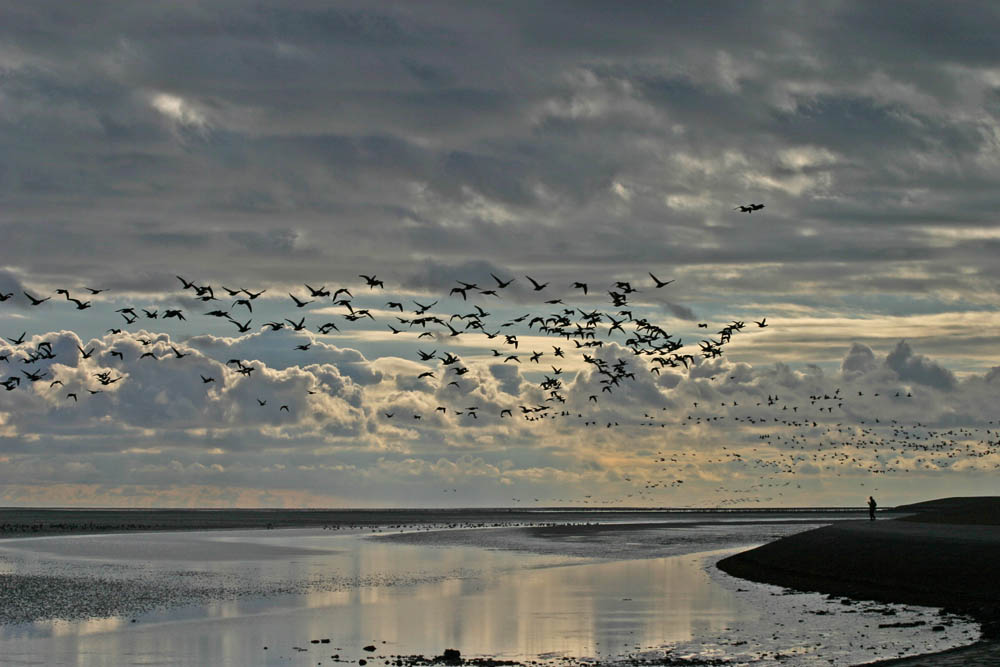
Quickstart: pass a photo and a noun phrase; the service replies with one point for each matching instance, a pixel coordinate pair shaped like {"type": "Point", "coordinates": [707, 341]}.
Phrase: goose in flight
{"type": "Point", "coordinates": [299, 303]}
{"type": "Point", "coordinates": [659, 283]}
{"type": "Point", "coordinates": [322, 291]}
{"type": "Point", "coordinates": [502, 283]}
{"type": "Point", "coordinates": [36, 302]}
{"type": "Point", "coordinates": [538, 287]}
{"type": "Point", "coordinates": [372, 281]}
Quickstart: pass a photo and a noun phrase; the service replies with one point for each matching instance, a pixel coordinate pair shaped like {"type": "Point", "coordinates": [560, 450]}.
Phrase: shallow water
{"type": "Point", "coordinates": [218, 598]}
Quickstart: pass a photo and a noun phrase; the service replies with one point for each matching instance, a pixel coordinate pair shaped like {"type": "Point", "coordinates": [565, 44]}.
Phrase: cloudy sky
{"type": "Point", "coordinates": [270, 145]}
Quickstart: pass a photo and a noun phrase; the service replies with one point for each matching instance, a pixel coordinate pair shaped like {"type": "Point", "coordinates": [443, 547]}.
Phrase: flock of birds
{"type": "Point", "coordinates": [791, 433]}
{"type": "Point", "coordinates": [577, 329]}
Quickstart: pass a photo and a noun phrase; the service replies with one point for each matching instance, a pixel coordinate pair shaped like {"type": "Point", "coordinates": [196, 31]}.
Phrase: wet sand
{"type": "Point", "coordinates": [943, 555]}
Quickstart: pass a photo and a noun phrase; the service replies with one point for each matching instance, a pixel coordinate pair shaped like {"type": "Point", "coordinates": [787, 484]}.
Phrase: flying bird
{"type": "Point", "coordinates": [502, 284]}
{"type": "Point", "coordinates": [372, 281]}
{"type": "Point", "coordinates": [36, 302]}
{"type": "Point", "coordinates": [659, 283]}
{"type": "Point", "coordinates": [298, 302]}
{"type": "Point", "coordinates": [536, 285]}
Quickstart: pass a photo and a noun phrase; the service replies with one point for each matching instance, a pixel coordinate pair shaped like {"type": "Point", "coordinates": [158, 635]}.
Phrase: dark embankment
{"type": "Point", "coordinates": [936, 557]}
{"type": "Point", "coordinates": [980, 511]}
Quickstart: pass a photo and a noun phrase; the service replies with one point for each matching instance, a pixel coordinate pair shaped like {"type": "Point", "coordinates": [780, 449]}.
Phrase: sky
{"type": "Point", "coordinates": [275, 145]}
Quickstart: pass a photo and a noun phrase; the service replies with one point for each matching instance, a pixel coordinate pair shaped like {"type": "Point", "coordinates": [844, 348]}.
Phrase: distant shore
{"type": "Point", "coordinates": [944, 554]}
{"type": "Point", "coordinates": [38, 522]}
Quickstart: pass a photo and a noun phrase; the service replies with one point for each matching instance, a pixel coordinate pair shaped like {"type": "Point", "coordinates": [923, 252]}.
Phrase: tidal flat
{"type": "Point", "coordinates": [625, 588]}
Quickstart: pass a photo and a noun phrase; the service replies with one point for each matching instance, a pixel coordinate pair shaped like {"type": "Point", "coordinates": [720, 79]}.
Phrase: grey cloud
{"type": "Point", "coordinates": [918, 368]}
{"type": "Point", "coordinates": [859, 360]}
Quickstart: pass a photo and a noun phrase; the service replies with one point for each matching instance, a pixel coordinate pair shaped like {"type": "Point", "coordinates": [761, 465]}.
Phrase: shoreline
{"type": "Point", "coordinates": [947, 561]}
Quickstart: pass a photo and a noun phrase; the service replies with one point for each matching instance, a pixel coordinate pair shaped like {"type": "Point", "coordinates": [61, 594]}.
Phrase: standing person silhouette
{"type": "Point", "coordinates": [871, 507]}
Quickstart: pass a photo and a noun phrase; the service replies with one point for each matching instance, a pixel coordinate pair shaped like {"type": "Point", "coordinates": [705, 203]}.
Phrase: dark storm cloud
{"type": "Point", "coordinates": [215, 137]}
{"type": "Point", "coordinates": [483, 132]}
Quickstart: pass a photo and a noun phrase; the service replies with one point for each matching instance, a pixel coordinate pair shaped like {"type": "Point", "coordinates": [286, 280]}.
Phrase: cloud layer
{"type": "Point", "coordinates": [262, 145]}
